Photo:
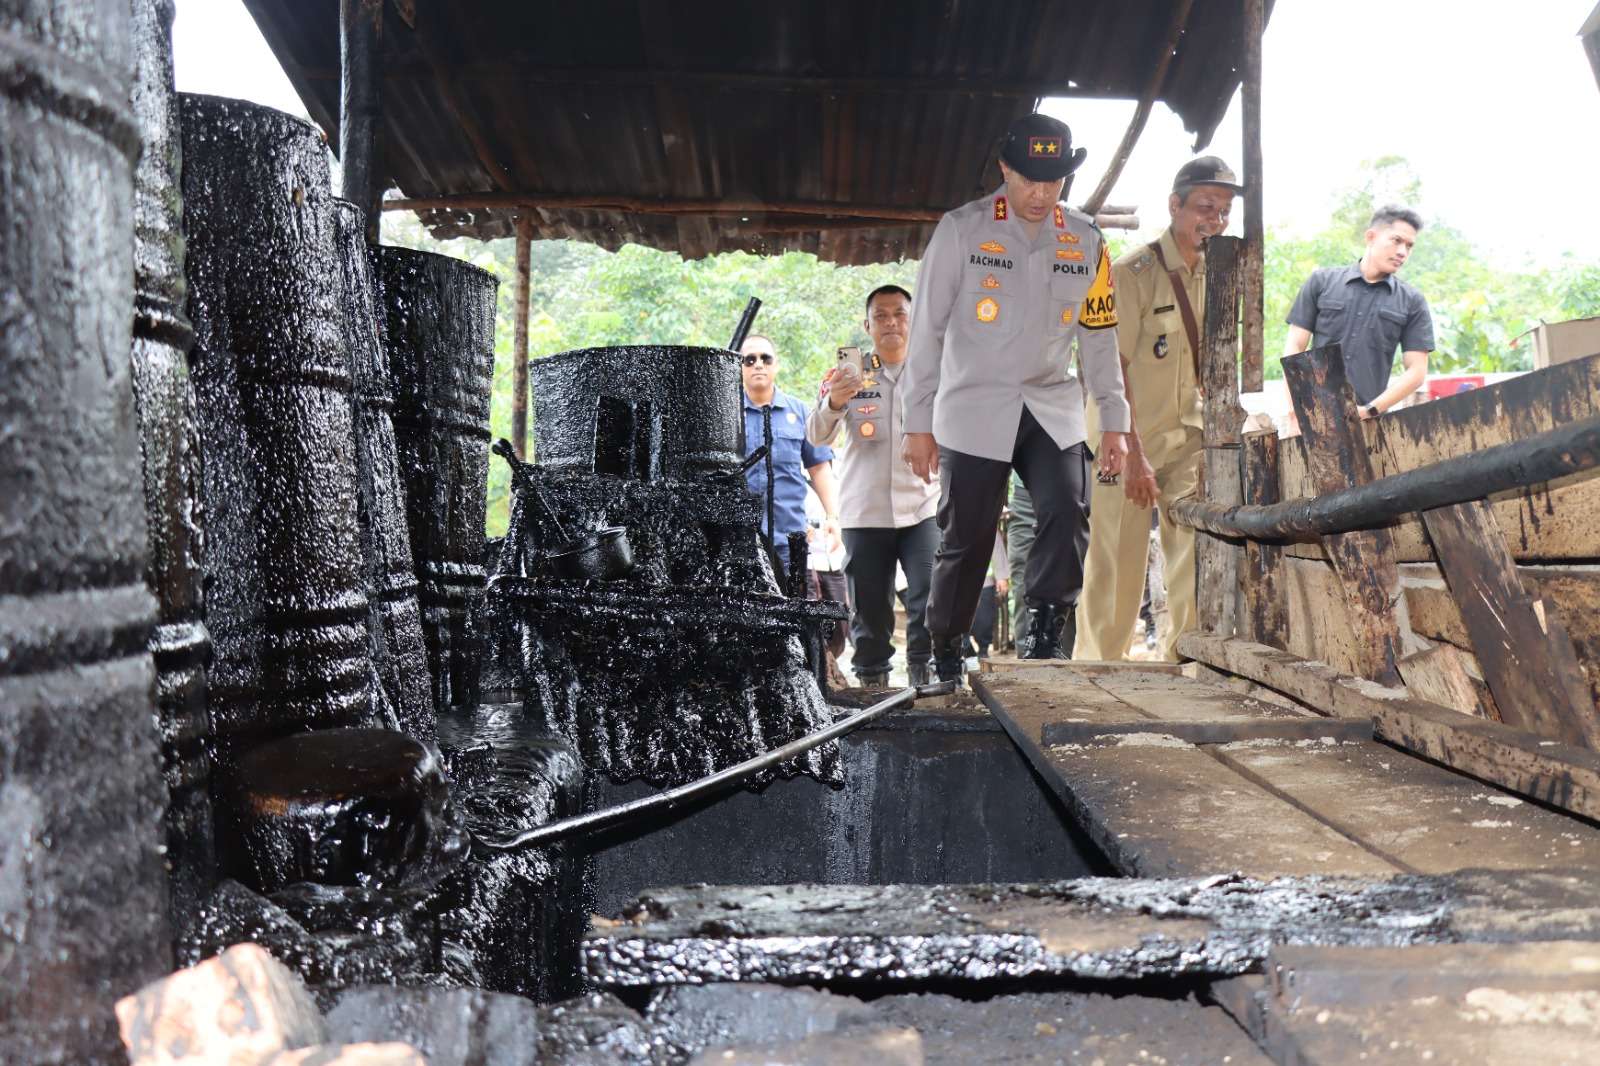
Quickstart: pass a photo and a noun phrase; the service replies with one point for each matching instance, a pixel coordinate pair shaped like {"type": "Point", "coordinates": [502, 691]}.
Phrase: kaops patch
{"type": "Point", "coordinates": [1100, 306]}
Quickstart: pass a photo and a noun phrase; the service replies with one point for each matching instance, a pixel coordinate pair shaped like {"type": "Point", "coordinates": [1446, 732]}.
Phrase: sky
{"type": "Point", "coordinates": [1494, 105]}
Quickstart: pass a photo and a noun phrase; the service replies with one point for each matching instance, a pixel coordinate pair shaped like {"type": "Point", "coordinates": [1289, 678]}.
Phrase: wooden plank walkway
{"type": "Point", "coordinates": [1176, 776]}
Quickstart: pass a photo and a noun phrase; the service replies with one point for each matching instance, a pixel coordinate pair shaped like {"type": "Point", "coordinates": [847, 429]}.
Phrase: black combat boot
{"type": "Point", "coordinates": [917, 673]}
{"type": "Point", "coordinates": [947, 660]}
{"type": "Point", "coordinates": [1051, 633]}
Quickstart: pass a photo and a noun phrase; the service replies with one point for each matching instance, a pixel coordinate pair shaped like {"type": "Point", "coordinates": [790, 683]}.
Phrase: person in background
{"type": "Point", "coordinates": [825, 581]}
{"type": "Point", "coordinates": [1161, 301]}
{"type": "Point", "coordinates": [995, 584]}
{"type": "Point", "coordinates": [1009, 286]}
{"type": "Point", "coordinates": [793, 457]}
{"type": "Point", "coordinates": [1019, 541]}
{"type": "Point", "coordinates": [1370, 313]}
{"type": "Point", "coordinates": [886, 512]}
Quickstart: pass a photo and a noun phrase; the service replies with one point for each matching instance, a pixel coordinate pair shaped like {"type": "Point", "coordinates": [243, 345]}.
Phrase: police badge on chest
{"type": "Point", "coordinates": [1161, 347]}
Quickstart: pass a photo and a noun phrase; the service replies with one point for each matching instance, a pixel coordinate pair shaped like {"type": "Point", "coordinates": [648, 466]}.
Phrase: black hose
{"type": "Point", "coordinates": [746, 320]}
{"type": "Point", "coordinates": [676, 797]}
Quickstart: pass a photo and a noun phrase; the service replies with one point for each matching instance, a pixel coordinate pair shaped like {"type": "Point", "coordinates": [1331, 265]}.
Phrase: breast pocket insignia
{"type": "Point", "coordinates": [1161, 347]}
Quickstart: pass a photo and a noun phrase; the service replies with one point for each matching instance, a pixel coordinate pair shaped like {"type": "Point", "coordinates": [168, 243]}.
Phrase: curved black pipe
{"type": "Point", "coordinates": [675, 797]}
{"type": "Point", "coordinates": [1569, 449]}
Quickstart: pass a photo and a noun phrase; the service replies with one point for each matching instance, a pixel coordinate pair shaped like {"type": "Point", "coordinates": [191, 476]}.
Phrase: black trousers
{"type": "Point", "coordinates": [972, 491]}
{"type": "Point", "coordinates": [830, 585]}
{"type": "Point", "coordinates": [870, 557]}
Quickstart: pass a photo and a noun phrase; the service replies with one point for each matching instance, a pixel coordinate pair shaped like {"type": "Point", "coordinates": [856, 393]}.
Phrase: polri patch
{"type": "Point", "coordinates": [988, 309]}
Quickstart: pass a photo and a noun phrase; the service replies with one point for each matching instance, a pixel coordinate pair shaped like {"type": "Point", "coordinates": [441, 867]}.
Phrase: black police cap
{"type": "Point", "coordinates": [1040, 148]}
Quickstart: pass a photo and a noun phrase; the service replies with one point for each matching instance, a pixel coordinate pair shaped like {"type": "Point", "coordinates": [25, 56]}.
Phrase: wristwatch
{"type": "Point", "coordinates": [1372, 410]}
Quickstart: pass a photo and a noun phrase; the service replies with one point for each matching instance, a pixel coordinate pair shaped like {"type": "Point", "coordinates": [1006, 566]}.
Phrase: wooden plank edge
{"type": "Point", "coordinates": [1087, 666]}
{"type": "Point", "coordinates": [1548, 771]}
{"type": "Point", "coordinates": [1220, 731]}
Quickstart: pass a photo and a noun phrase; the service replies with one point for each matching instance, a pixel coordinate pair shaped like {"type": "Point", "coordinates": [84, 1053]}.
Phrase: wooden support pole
{"type": "Point", "coordinates": [1337, 458]}
{"type": "Point", "coordinates": [1527, 660]}
{"type": "Point", "coordinates": [1263, 591]}
{"type": "Point", "coordinates": [1141, 113]}
{"type": "Point", "coordinates": [360, 105]}
{"type": "Point", "coordinates": [1252, 365]}
{"type": "Point", "coordinates": [1217, 560]}
{"type": "Point", "coordinates": [519, 339]}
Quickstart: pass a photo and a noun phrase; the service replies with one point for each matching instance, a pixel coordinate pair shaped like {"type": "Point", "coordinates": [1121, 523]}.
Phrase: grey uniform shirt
{"type": "Point", "coordinates": [993, 327]}
{"type": "Point", "coordinates": [1367, 319]}
{"type": "Point", "coordinates": [877, 488]}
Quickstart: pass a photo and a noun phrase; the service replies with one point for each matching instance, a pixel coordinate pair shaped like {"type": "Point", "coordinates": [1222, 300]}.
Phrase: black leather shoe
{"type": "Point", "coordinates": [1050, 633]}
{"type": "Point", "coordinates": [873, 680]}
{"type": "Point", "coordinates": [947, 660]}
{"type": "Point", "coordinates": [917, 673]}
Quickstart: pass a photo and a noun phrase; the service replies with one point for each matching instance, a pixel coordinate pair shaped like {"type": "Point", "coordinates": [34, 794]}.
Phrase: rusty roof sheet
{"type": "Point", "coordinates": [757, 126]}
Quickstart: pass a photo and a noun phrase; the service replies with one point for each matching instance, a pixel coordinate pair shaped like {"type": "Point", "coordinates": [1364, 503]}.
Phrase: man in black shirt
{"type": "Point", "coordinates": [1370, 312]}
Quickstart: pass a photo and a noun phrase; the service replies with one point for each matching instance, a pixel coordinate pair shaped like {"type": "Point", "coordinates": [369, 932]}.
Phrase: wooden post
{"type": "Point", "coordinates": [1336, 456]}
{"type": "Point", "coordinates": [1264, 594]}
{"type": "Point", "coordinates": [1252, 366]}
{"type": "Point", "coordinates": [1217, 559]}
{"type": "Point", "coordinates": [519, 338]}
{"type": "Point", "coordinates": [1527, 660]}
{"type": "Point", "coordinates": [360, 105]}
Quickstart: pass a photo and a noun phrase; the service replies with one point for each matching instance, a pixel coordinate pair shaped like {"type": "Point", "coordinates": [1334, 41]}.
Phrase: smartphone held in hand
{"type": "Point", "coordinates": [851, 356]}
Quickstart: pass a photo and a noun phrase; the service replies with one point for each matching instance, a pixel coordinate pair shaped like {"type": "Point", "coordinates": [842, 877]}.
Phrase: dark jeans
{"type": "Point", "coordinates": [870, 557]}
{"type": "Point", "coordinates": [982, 635]}
{"type": "Point", "coordinates": [830, 585]}
{"type": "Point", "coordinates": [972, 491]}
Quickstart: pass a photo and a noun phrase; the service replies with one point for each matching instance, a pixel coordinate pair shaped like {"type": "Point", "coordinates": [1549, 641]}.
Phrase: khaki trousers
{"type": "Point", "coordinates": [1114, 572]}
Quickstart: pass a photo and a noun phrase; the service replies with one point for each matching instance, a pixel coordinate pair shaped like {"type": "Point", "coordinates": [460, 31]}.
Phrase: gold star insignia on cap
{"type": "Point", "coordinates": [1044, 147]}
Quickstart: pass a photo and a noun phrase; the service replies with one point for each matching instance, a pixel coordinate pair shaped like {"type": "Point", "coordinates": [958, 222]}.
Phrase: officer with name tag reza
{"type": "Point", "coordinates": [1009, 286]}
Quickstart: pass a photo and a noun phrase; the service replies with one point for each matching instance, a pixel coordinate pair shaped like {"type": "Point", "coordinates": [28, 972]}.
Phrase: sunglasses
{"type": "Point", "coordinates": [767, 359]}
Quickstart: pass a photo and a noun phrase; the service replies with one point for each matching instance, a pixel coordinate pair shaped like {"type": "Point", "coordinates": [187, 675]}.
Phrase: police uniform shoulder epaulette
{"type": "Point", "coordinates": [1138, 260]}
{"type": "Point", "coordinates": [1073, 212]}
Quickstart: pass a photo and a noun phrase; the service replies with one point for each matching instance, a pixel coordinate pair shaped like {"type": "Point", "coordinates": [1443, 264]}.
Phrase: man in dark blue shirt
{"type": "Point", "coordinates": [1370, 312]}
{"type": "Point", "coordinates": [793, 457]}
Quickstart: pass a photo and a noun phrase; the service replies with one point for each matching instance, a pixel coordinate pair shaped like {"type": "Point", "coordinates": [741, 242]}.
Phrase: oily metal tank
{"type": "Point", "coordinates": [169, 440]}
{"type": "Point", "coordinates": [272, 376]}
{"type": "Point", "coordinates": [439, 323]}
{"type": "Point", "coordinates": [83, 895]}
{"type": "Point", "coordinates": [638, 411]}
{"type": "Point", "coordinates": [395, 619]}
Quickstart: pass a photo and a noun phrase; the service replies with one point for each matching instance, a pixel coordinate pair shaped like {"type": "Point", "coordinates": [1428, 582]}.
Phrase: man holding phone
{"type": "Point", "coordinates": [886, 512]}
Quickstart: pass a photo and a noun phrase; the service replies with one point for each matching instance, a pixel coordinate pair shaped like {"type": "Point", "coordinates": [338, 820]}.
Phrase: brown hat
{"type": "Point", "coordinates": [1207, 170]}
{"type": "Point", "coordinates": [1040, 148]}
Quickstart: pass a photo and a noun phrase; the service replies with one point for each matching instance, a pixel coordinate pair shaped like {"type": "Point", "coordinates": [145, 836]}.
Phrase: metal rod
{"type": "Point", "coordinates": [1569, 449]}
{"type": "Point", "coordinates": [746, 320]}
{"type": "Point", "coordinates": [676, 797]}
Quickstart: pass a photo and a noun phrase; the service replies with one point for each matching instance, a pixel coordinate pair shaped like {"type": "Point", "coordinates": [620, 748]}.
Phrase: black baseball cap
{"type": "Point", "coordinates": [1040, 148]}
{"type": "Point", "coordinates": [1207, 170]}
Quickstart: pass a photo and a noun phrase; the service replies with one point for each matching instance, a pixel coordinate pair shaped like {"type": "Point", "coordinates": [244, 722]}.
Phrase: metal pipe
{"type": "Point", "coordinates": [595, 821]}
{"type": "Point", "coordinates": [746, 320]}
{"type": "Point", "coordinates": [1569, 449]}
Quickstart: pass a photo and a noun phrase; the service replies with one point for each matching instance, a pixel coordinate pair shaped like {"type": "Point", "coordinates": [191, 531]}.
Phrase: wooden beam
{"type": "Point", "coordinates": [519, 341]}
{"type": "Point", "coordinates": [1553, 773]}
{"type": "Point", "coordinates": [360, 105]}
{"type": "Point", "coordinates": [486, 201]}
{"type": "Point", "coordinates": [1252, 364]}
{"type": "Point", "coordinates": [1531, 668]}
{"type": "Point", "coordinates": [1364, 560]}
{"type": "Point", "coordinates": [1265, 615]}
{"type": "Point", "coordinates": [1218, 561]}
{"type": "Point", "coordinates": [1439, 675]}
{"type": "Point", "coordinates": [1141, 112]}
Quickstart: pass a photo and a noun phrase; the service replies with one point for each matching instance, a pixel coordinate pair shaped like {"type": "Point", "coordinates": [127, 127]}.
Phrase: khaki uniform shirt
{"type": "Point", "coordinates": [993, 327]}
{"type": "Point", "coordinates": [877, 489]}
{"type": "Point", "coordinates": [1151, 338]}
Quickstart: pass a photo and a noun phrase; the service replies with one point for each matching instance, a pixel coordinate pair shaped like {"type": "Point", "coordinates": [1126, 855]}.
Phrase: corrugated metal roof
{"type": "Point", "coordinates": [893, 104]}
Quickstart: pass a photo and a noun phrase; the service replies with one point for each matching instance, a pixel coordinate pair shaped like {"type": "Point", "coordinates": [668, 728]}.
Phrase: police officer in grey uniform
{"type": "Point", "coordinates": [885, 510]}
{"type": "Point", "coordinates": [1009, 284]}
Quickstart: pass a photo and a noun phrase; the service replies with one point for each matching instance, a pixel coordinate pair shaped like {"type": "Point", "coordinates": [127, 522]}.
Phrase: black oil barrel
{"type": "Point", "coordinates": [170, 444]}
{"type": "Point", "coordinates": [640, 411]}
{"type": "Point", "coordinates": [83, 893]}
{"type": "Point", "coordinates": [439, 323]}
{"type": "Point", "coordinates": [395, 616]}
{"type": "Point", "coordinates": [272, 379]}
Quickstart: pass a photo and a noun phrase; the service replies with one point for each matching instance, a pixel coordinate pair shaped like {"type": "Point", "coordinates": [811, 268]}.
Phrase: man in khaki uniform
{"type": "Point", "coordinates": [1157, 335]}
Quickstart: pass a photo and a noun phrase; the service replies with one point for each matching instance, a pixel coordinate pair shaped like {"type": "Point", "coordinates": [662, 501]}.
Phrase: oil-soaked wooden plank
{"type": "Point", "coordinates": [1530, 668]}
{"type": "Point", "coordinates": [1337, 459]}
{"type": "Point", "coordinates": [1025, 701]}
{"type": "Point", "coordinates": [1264, 614]}
{"type": "Point", "coordinates": [1159, 807]}
{"type": "Point", "coordinates": [1440, 675]}
{"type": "Point", "coordinates": [1419, 816]}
